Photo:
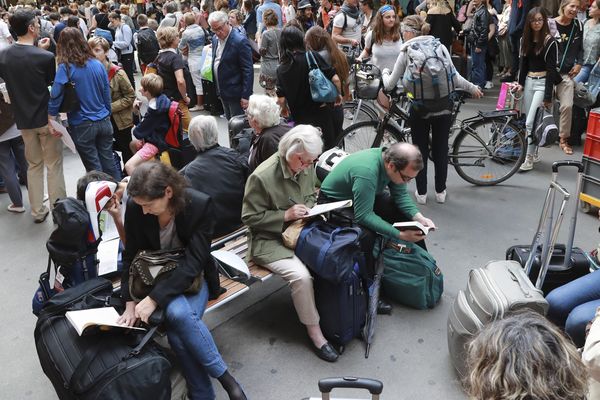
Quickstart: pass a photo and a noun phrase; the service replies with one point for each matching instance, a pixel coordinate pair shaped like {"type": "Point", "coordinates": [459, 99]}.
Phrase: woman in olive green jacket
{"type": "Point", "coordinates": [122, 97]}
{"type": "Point", "coordinates": [280, 191]}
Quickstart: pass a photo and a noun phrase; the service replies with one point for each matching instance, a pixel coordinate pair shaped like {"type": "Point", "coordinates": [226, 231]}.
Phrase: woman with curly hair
{"type": "Point", "coordinates": [524, 357]}
{"type": "Point", "coordinates": [90, 124]}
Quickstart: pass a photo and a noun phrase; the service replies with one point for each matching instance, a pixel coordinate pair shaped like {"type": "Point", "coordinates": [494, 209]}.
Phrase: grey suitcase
{"type": "Point", "coordinates": [493, 291]}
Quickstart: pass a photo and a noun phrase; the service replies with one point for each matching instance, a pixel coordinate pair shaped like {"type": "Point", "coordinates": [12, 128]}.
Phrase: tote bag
{"type": "Point", "coordinates": [322, 89]}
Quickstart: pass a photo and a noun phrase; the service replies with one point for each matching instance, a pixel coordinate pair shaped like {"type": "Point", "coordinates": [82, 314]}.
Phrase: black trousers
{"type": "Point", "coordinates": [440, 130]}
{"type": "Point", "coordinates": [127, 62]}
{"type": "Point", "coordinates": [515, 46]}
{"type": "Point", "coordinates": [122, 138]}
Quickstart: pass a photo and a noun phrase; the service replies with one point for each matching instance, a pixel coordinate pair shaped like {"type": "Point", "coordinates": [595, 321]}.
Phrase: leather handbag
{"type": "Point", "coordinates": [322, 89]}
{"type": "Point", "coordinates": [150, 267]}
{"type": "Point", "coordinates": [70, 100]}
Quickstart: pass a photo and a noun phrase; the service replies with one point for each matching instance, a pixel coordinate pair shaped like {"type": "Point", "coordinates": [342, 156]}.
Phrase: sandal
{"type": "Point", "coordinates": [568, 150]}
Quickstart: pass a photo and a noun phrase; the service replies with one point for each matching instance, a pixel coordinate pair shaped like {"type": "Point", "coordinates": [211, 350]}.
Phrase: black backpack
{"type": "Point", "coordinates": [329, 27]}
{"type": "Point", "coordinates": [147, 45]}
{"type": "Point", "coordinates": [71, 240]}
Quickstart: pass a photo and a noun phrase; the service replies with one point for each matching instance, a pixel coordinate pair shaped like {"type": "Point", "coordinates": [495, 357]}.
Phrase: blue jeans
{"type": "Point", "coordinates": [574, 305]}
{"type": "Point", "coordinates": [193, 344]}
{"type": "Point", "coordinates": [94, 142]}
{"type": "Point", "coordinates": [584, 73]}
{"type": "Point", "coordinates": [478, 69]}
{"type": "Point", "coordinates": [232, 108]}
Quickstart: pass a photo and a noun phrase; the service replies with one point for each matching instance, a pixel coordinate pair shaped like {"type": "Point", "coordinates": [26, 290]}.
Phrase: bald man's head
{"type": "Point", "coordinates": [400, 155]}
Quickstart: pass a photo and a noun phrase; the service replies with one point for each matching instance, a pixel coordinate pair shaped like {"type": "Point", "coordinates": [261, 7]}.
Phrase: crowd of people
{"type": "Point", "coordinates": [80, 60]}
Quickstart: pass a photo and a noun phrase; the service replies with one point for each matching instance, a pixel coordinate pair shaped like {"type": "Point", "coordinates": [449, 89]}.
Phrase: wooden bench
{"type": "Point", "coordinates": [237, 243]}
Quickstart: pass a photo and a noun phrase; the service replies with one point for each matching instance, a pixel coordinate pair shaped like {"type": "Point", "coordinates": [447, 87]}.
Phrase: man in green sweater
{"type": "Point", "coordinates": [364, 176]}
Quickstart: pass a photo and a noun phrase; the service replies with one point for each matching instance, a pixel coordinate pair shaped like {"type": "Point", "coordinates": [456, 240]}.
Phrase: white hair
{"type": "Point", "coordinates": [203, 132]}
{"type": "Point", "coordinates": [218, 16]}
{"type": "Point", "coordinates": [301, 139]}
{"type": "Point", "coordinates": [264, 110]}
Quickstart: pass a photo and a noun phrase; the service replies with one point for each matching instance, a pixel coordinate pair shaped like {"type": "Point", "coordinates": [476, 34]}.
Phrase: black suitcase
{"type": "Point", "coordinates": [342, 308]}
{"type": "Point", "coordinates": [565, 262]}
{"type": "Point", "coordinates": [557, 275]}
{"type": "Point", "coordinates": [211, 101]}
{"type": "Point", "coordinates": [102, 366]}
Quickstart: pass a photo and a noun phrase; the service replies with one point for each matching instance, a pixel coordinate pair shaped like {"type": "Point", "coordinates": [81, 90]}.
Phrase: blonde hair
{"type": "Point", "coordinates": [153, 84]}
{"type": "Point", "coordinates": [565, 3]}
{"type": "Point", "coordinates": [98, 41]}
{"type": "Point", "coordinates": [524, 356]}
{"type": "Point", "coordinates": [166, 36]}
{"type": "Point", "coordinates": [189, 18]}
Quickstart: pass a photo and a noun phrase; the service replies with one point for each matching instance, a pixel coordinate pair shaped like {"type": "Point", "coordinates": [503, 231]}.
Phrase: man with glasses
{"type": "Point", "coordinates": [28, 70]}
{"type": "Point", "coordinates": [364, 177]}
{"type": "Point", "coordinates": [232, 65]}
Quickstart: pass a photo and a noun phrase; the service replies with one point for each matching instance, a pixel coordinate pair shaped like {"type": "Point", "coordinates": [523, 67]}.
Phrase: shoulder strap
{"type": "Point", "coordinates": [113, 71]}
{"type": "Point", "coordinates": [310, 59]}
{"type": "Point", "coordinates": [568, 44]}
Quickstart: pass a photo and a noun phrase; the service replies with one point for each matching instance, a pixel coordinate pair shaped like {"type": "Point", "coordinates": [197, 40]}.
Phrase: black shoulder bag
{"type": "Point", "coordinates": [70, 100]}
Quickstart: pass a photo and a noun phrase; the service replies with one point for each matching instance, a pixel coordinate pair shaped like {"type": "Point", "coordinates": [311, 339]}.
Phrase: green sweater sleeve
{"type": "Point", "coordinates": [364, 191]}
{"type": "Point", "coordinates": [403, 200]}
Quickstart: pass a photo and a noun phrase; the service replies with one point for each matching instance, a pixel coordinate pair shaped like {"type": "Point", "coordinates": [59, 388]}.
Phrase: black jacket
{"type": "Point", "coordinates": [194, 228]}
{"type": "Point", "coordinates": [265, 144]}
{"type": "Point", "coordinates": [478, 36]}
{"type": "Point", "coordinates": [221, 173]}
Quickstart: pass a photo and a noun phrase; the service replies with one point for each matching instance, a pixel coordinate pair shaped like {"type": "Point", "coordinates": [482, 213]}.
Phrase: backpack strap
{"type": "Point", "coordinates": [113, 71]}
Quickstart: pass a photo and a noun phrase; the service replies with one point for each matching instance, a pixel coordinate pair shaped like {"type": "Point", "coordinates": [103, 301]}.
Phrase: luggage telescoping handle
{"type": "Point", "coordinates": [573, 222]}
{"type": "Point", "coordinates": [374, 386]}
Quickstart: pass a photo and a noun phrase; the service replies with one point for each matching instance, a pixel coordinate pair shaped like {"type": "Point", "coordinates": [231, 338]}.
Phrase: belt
{"type": "Point", "coordinates": [536, 75]}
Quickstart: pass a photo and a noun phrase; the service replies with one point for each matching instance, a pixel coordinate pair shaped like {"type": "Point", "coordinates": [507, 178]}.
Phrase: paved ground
{"type": "Point", "coordinates": [264, 344]}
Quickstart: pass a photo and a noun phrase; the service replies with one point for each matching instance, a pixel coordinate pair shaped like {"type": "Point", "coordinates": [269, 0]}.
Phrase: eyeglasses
{"type": "Point", "coordinates": [537, 21]}
{"type": "Point", "coordinates": [306, 163]}
{"type": "Point", "coordinates": [219, 28]}
{"type": "Point", "coordinates": [406, 178]}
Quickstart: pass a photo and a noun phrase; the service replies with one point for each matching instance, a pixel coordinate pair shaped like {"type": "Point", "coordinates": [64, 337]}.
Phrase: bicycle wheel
{"type": "Point", "coordinates": [365, 113]}
{"type": "Point", "coordinates": [364, 135]}
{"type": "Point", "coordinates": [488, 152]}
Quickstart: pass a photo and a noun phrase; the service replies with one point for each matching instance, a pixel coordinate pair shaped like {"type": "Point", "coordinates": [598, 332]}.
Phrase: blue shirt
{"type": "Point", "coordinates": [268, 4]}
{"type": "Point", "coordinates": [92, 88]}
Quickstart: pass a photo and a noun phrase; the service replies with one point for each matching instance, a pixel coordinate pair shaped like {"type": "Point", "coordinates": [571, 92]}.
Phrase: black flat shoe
{"type": "Point", "coordinates": [327, 353]}
{"type": "Point", "coordinates": [383, 307]}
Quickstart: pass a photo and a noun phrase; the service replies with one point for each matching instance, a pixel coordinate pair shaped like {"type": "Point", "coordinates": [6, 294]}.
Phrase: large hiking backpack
{"type": "Point", "coordinates": [147, 45]}
{"type": "Point", "coordinates": [429, 74]}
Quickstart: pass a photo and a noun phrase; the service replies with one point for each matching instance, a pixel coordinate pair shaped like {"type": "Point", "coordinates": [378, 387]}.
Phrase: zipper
{"type": "Point", "coordinates": [58, 309]}
{"type": "Point", "coordinates": [62, 350]}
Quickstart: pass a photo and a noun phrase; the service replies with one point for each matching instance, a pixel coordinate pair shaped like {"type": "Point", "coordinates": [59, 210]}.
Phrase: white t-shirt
{"type": "Point", "coordinates": [383, 55]}
{"type": "Point", "coordinates": [352, 29]}
{"type": "Point", "coordinates": [4, 34]}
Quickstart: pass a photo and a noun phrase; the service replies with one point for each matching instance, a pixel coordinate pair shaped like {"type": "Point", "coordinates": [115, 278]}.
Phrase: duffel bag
{"type": "Point", "coordinates": [411, 275]}
{"type": "Point", "coordinates": [329, 251]}
{"type": "Point", "coordinates": [107, 365]}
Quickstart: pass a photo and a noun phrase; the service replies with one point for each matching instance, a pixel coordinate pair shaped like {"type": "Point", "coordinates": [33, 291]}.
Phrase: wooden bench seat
{"type": "Point", "coordinates": [237, 243]}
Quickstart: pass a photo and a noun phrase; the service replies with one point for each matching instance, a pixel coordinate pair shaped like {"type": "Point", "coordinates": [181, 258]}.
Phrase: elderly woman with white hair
{"type": "Point", "coordinates": [263, 116]}
{"type": "Point", "coordinates": [226, 184]}
{"type": "Point", "coordinates": [268, 212]}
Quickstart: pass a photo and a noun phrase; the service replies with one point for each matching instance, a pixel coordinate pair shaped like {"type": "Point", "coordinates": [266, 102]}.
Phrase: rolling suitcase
{"type": "Point", "coordinates": [495, 290]}
{"type": "Point", "coordinates": [564, 262]}
{"type": "Point", "coordinates": [342, 307]}
{"type": "Point", "coordinates": [326, 385]}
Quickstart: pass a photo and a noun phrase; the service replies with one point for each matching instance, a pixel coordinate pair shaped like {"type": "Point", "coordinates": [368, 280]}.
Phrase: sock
{"type": "Point", "coordinates": [232, 387]}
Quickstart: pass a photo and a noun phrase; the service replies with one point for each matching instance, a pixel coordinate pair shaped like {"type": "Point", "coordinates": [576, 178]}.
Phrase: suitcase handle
{"type": "Point", "coordinates": [567, 163]}
{"type": "Point", "coordinates": [372, 385]}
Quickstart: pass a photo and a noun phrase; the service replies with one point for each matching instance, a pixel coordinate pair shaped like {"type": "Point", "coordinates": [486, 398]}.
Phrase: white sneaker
{"type": "Point", "coordinates": [16, 209]}
{"type": "Point", "coordinates": [441, 197]}
{"type": "Point", "coordinates": [348, 114]}
{"type": "Point", "coordinates": [197, 108]}
{"type": "Point", "coordinates": [536, 157]}
{"type": "Point", "coordinates": [488, 85]}
{"type": "Point", "coordinates": [421, 198]}
{"type": "Point", "coordinates": [527, 164]}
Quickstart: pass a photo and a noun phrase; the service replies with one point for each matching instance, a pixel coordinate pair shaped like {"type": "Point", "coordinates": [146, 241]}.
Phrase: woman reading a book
{"type": "Point", "coordinates": [280, 191]}
{"type": "Point", "coordinates": [162, 214]}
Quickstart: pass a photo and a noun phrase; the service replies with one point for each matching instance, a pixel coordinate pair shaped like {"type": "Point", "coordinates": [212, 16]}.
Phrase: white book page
{"type": "Point", "coordinates": [323, 208]}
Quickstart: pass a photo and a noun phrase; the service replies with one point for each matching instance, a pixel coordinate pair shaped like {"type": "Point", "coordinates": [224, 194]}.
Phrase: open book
{"type": "Point", "coordinates": [93, 320]}
{"type": "Point", "coordinates": [324, 208]}
{"type": "Point", "coordinates": [412, 226]}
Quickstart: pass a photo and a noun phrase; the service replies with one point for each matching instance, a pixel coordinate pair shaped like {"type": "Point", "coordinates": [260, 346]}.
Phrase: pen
{"type": "Point", "coordinates": [292, 200]}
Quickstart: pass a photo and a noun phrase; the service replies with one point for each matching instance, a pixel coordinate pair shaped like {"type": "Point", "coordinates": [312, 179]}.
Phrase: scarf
{"type": "Point", "coordinates": [350, 11]}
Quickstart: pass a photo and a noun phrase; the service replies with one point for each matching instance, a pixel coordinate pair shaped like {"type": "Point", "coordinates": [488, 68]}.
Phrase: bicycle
{"type": "Point", "coordinates": [367, 80]}
{"type": "Point", "coordinates": [488, 148]}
